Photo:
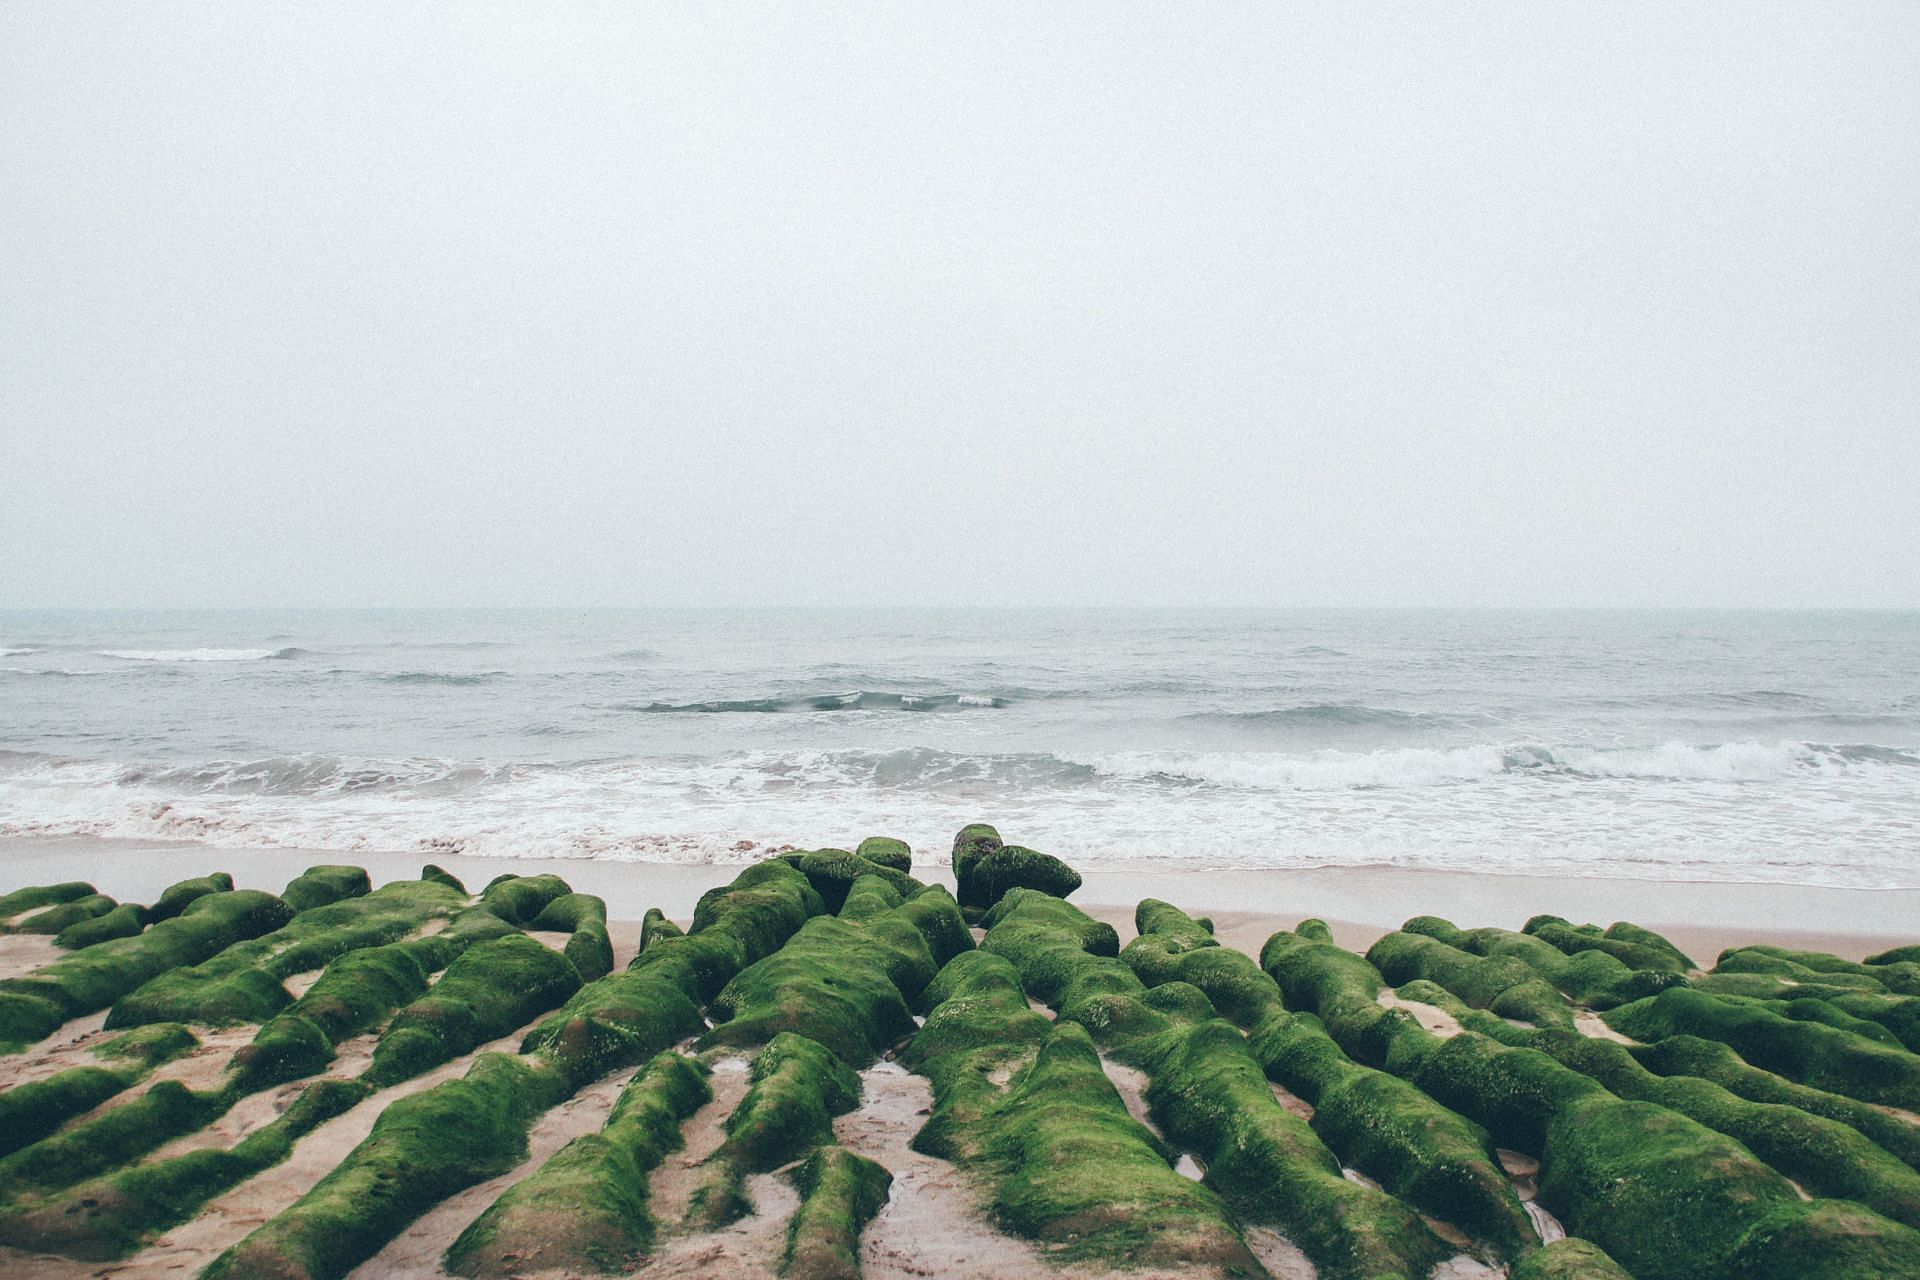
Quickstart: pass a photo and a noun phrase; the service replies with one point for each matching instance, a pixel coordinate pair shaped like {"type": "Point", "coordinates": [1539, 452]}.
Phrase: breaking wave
{"type": "Point", "coordinates": [201, 655]}
{"type": "Point", "coordinates": [858, 700]}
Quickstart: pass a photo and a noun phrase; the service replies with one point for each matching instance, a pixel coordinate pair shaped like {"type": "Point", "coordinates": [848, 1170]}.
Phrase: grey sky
{"type": "Point", "coordinates": [409, 304]}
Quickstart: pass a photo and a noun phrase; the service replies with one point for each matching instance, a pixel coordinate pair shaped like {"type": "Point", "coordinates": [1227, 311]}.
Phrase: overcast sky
{"type": "Point", "coordinates": [1170, 304]}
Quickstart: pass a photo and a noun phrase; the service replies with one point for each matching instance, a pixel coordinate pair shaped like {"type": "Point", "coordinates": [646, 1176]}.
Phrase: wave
{"type": "Point", "coordinates": [1421, 767]}
{"type": "Point", "coordinates": [455, 678]}
{"type": "Point", "coordinates": [859, 700]}
{"type": "Point", "coordinates": [634, 655]}
{"type": "Point", "coordinates": [201, 655]}
{"type": "Point", "coordinates": [16, 653]}
{"type": "Point", "coordinates": [1331, 714]}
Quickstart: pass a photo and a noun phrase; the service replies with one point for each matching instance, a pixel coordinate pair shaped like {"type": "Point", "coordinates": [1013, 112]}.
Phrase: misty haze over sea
{"type": "Point", "coordinates": [1777, 746]}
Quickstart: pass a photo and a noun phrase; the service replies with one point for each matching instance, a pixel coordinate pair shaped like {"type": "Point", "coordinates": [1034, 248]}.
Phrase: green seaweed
{"type": "Point", "coordinates": [1568, 1259]}
{"type": "Point", "coordinates": [1622, 946]}
{"type": "Point", "coordinates": [64, 916]}
{"type": "Point", "coordinates": [490, 990]}
{"type": "Point", "coordinates": [1505, 984]}
{"type": "Point", "coordinates": [440, 875]}
{"type": "Point", "coordinates": [88, 981]}
{"type": "Point", "coordinates": [585, 1209]}
{"type": "Point", "coordinates": [31, 1111]}
{"type": "Point", "coordinates": [585, 917]}
{"type": "Point", "coordinates": [1899, 976]}
{"type": "Point", "coordinates": [423, 1148]}
{"type": "Point", "coordinates": [519, 900]}
{"type": "Point", "coordinates": [1210, 1094]}
{"type": "Point", "coordinates": [839, 1194]}
{"type": "Point", "coordinates": [124, 921]}
{"type": "Point", "coordinates": [888, 852]}
{"type": "Point", "coordinates": [110, 1216]}
{"type": "Point", "coordinates": [833, 873]}
{"type": "Point", "coordinates": [799, 1086]}
{"type": "Point", "coordinates": [325, 884]}
{"type": "Point", "coordinates": [985, 869]}
{"type": "Point", "coordinates": [34, 896]}
{"type": "Point", "coordinates": [1808, 1052]}
{"type": "Point", "coordinates": [177, 896]}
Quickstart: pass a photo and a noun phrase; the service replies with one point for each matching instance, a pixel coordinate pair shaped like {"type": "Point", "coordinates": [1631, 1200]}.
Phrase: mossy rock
{"type": "Point", "coordinates": [109, 1139]}
{"type": "Point", "coordinates": [1809, 1052]}
{"type": "Point", "coordinates": [113, 1215]}
{"type": "Point", "coordinates": [656, 925]}
{"type": "Point", "coordinates": [834, 872]}
{"type": "Point", "coordinates": [888, 852]}
{"type": "Point", "coordinates": [423, 1148]}
{"type": "Point", "coordinates": [124, 921]}
{"type": "Point", "coordinates": [585, 1210]}
{"type": "Point", "coordinates": [1569, 1259]}
{"type": "Point", "coordinates": [585, 917]}
{"type": "Point", "coordinates": [440, 875]}
{"type": "Point", "coordinates": [67, 914]}
{"type": "Point", "coordinates": [34, 896]}
{"type": "Point", "coordinates": [325, 884]}
{"type": "Point", "coordinates": [519, 900]}
{"type": "Point", "coordinates": [988, 876]}
{"type": "Point", "coordinates": [91, 980]}
{"type": "Point", "coordinates": [175, 897]}
{"type": "Point", "coordinates": [489, 991]}
{"type": "Point", "coordinates": [839, 1194]}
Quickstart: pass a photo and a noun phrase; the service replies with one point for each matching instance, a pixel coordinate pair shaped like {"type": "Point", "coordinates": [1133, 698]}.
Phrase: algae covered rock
{"type": "Point", "coordinates": [491, 990]}
{"type": "Point", "coordinates": [1569, 1259]}
{"type": "Point", "coordinates": [175, 897]}
{"type": "Point", "coordinates": [123, 921]}
{"type": "Point", "coordinates": [887, 851]}
{"type": "Point", "coordinates": [21, 901]}
{"type": "Point", "coordinates": [321, 885]}
{"type": "Point", "coordinates": [585, 1209]}
{"type": "Point", "coordinates": [65, 915]}
{"type": "Point", "coordinates": [986, 869]}
{"type": "Point", "coordinates": [839, 1194]}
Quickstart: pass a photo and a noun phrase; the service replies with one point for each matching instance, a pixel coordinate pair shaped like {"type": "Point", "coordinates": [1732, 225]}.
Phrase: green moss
{"type": "Point", "coordinates": [519, 900]}
{"type": "Point", "coordinates": [1809, 1052]}
{"type": "Point", "coordinates": [1070, 1167]}
{"type": "Point", "coordinates": [1573, 939]}
{"type": "Point", "coordinates": [972, 843]}
{"type": "Point", "coordinates": [990, 872]}
{"type": "Point", "coordinates": [90, 980]}
{"type": "Point", "coordinates": [111, 1216]}
{"type": "Point", "coordinates": [1505, 984]}
{"type": "Point", "coordinates": [107, 1140]}
{"type": "Point", "coordinates": [656, 925]}
{"type": "Point", "coordinates": [1374, 1122]}
{"type": "Point", "coordinates": [1782, 964]}
{"type": "Point", "coordinates": [585, 1210]}
{"type": "Point", "coordinates": [1827, 1157]}
{"type": "Point", "coordinates": [799, 1086]}
{"type": "Point", "coordinates": [1592, 978]}
{"type": "Point", "coordinates": [244, 982]}
{"type": "Point", "coordinates": [888, 852]}
{"type": "Point", "coordinates": [839, 1194]}
{"type": "Point", "coordinates": [585, 917]}
{"type": "Point", "coordinates": [29, 1112]}
{"type": "Point", "coordinates": [979, 1027]}
{"type": "Point", "coordinates": [175, 897]}
{"type": "Point", "coordinates": [1569, 1259]}
{"type": "Point", "coordinates": [67, 914]}
{"type": "Point", "coordinates": [833, 873]}
{"type": "Point", "coordinates": [489, 991]}
{"type": "Point", "coordinates": [42, 895]}
{"type": "Point", "coordinates": [1209, 1093]}
{"type": "Point", "coordinates": [424, 1148]}
{"type": "Point", "coordinates": [1893, 955]}
{"type": "Point", "coordinates": [1710, 1060]}
{"type": "Point", "coordinates": [842, 983]}
{"type": "Point", "coordinates": [439, 875]}
{"type": "Point", "coordinates": [324, 884]}
{"type": "Point", "coordinates": [1902, 977]}
{"type": "Point", "coordinates": [124, 921]}
{"type": "Point", "coordinates": [628, 1017]}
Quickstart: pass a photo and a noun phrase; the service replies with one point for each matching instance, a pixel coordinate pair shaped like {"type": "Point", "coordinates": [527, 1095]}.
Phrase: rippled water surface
{"type": "Point", "coordinates": [1748, 746]}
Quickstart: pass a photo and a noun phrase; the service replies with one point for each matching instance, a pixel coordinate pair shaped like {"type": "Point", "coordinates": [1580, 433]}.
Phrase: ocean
{"type": "Point", "coordinates": [1731, 746]}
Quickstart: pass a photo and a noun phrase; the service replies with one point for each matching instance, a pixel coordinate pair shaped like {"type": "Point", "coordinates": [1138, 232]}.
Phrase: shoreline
{"type": "Point", "coordinates": [1359, 902]}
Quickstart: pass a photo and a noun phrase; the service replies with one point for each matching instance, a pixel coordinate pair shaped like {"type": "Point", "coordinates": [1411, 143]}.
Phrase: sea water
{"type": "Point", "coordinates": [1674, 745]}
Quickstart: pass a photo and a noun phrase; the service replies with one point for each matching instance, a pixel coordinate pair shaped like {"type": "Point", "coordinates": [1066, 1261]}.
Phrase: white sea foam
{"type": "Point", "coordinates": [189, 655]}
